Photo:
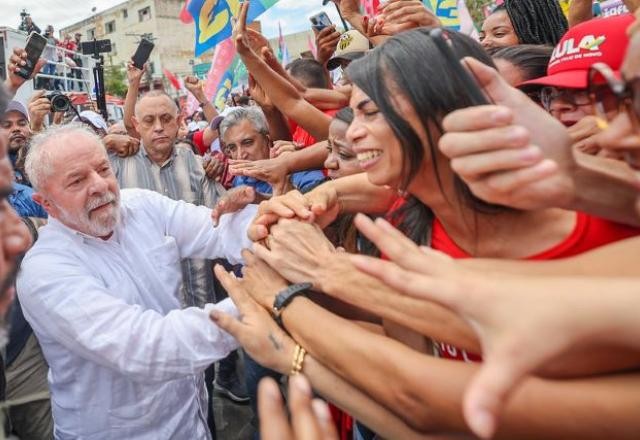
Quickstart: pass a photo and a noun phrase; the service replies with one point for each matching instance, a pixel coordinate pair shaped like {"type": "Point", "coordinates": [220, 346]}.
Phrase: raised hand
{"type": "Point", "coordinates": [255, 330]}
{"type": "Point", "coordinates": [232, 201]}
{"type": "Point", "coordinates": [519, 333]}
{"type": "Point", "coordinates": [512, 153]}
{"type": "Point", "coordinates": [320, 205]}
{"type": "Point", "coordinates": [134, 75]}
{"type": "Point", "coordinates": [39, 107]}
{"type": "Point", "coordinates": [326, 42]}
{"type": "Point", "coordinates": [296, 250]}
{"type": "Point", "coordinates": [16, 61]}
{"type": "Point", "coordinates": [240, 35]}
{"type": "Point", "coordinates": [196, 88]}
{"type": "Point", "coordinates": [121, 144]}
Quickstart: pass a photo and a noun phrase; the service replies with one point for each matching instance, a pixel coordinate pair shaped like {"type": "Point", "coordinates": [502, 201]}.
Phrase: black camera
{"type": "Point", "coordinates": [59, 101]}
{"type": "Point", "coordinates": [95, 47]}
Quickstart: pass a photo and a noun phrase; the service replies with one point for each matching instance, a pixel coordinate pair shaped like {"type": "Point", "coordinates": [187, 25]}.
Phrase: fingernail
{"type": "Point", "coordinates": [482, 423]}
{"type": "Point", "coordinates": [531, 153]}
{"type": "Point", "coordinates": [301, 384]}
{"type": "Point", "coordinates": [321, 410]}
{"type": "Point", "coordinates": [502, 114]}
{"type": "Point", "coordinates": [546, 165]}
{"type": "Point", "coordinates": [215, 315]}
{"type": "Point", "coordinates": [517, 133]}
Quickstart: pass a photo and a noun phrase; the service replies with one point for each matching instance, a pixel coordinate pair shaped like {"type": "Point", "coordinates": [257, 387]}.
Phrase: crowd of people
{"type": "Point", "coordinates": [435, 243]}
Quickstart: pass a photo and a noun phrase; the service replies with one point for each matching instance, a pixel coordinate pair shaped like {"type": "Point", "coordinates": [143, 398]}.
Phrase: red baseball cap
{"type": "Point", "coordinates": [601, 40]}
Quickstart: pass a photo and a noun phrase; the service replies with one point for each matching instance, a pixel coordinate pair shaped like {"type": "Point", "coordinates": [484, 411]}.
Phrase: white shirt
{"type": "Point", "coordinates": [124, 361]}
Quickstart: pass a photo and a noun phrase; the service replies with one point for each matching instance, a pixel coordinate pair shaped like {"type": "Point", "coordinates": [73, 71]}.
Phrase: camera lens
{"type": "Point", "coordinates": [60, 103]}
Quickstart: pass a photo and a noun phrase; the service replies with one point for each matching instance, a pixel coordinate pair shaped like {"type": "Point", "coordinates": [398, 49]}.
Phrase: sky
{"type": "Point", "coordinates": [293, 14]}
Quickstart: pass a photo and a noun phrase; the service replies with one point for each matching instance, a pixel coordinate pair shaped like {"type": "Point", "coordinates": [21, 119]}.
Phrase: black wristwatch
{"type": "Point", "coordinates": [284, 298]}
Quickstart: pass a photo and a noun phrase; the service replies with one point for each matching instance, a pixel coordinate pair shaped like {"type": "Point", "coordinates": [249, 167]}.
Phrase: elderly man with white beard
{"type": "Point", "coordinates": [100, 289]}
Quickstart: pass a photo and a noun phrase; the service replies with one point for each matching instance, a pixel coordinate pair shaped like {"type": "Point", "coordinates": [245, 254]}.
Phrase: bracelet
{"type": "Point", "coordinates": [284, 298]}
{"type": "Point", "coordinates": [298, 359]}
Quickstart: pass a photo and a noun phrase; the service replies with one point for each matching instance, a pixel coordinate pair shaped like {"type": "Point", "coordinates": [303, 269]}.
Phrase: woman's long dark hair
{"type": "Point", "coordinates": [536, 21]}
{"type": "Point", "coordinates": [411, 65]}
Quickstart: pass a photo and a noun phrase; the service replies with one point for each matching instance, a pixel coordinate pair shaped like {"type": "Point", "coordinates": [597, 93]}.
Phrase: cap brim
{"type": "Point", "coordinates": [334, 62]}
{"type": "Point", "coordinates": [572, 79]}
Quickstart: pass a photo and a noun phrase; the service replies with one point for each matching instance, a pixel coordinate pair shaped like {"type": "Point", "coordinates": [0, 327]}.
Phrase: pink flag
{"type": "Point", "coordinates": [370, 7]}
{"type": "Point", "coordinates": [466, 22]}
{"type": "Point", "coordinates": [222, 59]}
{"type": "Point", "coordinates": [312, 46]}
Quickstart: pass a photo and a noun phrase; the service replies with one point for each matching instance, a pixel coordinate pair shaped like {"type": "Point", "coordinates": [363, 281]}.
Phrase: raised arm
{"type": "Point", "coordinates": [192, 227]}
{"type": "Point", "coordinates": [196, 88]}
{"type": "Point", "coordinates": [281, 92]}
{"type": "Point", "coordinates": [270, 346]}
{"type": "Point", "coordinates": [517, 155]}
{"type": "Point", "coordinates": [134, 76]}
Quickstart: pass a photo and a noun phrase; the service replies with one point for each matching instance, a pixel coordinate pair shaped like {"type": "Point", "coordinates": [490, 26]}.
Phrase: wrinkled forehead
{"type": "Point", "coordinates": [69, 147]}
{"type": "Point", "coordinates": [244, 129]}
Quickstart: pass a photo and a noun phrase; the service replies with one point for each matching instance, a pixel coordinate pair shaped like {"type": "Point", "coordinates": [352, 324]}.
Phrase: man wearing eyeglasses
{"type": "Point", "coordinates": [565, 92]}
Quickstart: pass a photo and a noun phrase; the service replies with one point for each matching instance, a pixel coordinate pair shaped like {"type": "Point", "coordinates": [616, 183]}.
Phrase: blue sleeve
{"type": "Point", "coordinates": [24, 205]}
{"type": "Point", "coordinates": [305, 181]}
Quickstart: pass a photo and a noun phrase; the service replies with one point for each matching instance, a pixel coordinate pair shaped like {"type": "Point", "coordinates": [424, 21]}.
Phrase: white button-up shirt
{"type": "Point", "coordinates": [124, 361]}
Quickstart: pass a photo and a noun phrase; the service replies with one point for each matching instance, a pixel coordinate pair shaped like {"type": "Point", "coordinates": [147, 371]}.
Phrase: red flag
{"type": "Point", "coordinates": [185, 15]}
{"type": "Point", "coordinates": [172, 79]}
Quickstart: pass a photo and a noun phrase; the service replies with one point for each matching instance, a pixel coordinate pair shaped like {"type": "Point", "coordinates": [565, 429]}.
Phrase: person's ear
{"type": "Point", "coordinates": [136, 123]}
{"type": "Point", "coordinates": [46, 204]}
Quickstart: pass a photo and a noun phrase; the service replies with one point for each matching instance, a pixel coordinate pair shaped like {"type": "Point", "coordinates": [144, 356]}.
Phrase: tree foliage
{"type": "Point", "coordinates": [115, 82]}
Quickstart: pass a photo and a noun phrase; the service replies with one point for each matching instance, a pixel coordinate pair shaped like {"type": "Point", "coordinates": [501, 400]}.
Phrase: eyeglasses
{"type": "Point", "coordinates": [612, 95]}
{"type": "Point", "coordinates": [575, 98]}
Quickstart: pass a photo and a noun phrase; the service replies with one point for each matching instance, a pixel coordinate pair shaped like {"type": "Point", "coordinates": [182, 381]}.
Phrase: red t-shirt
{"type": "Point", "coordinates": [300, 136]}
{"type": "Point", "coordinates": [589, 233]}
{"type": "Point", "coordinates": [198, 141]}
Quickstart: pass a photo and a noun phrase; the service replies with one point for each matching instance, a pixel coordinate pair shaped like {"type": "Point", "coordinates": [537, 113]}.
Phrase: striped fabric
{"type": "Point", "coordinates": [181, 177]}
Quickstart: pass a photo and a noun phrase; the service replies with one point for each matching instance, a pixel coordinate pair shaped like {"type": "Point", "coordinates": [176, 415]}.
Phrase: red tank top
{"type": "Point", "coordinates": [589, 233]}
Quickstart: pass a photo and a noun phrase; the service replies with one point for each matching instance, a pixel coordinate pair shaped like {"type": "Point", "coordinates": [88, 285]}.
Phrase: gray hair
{"type": "Point", "coordinates": [39, 163]}
{"type": "Point", "coordinates": [239, 114]}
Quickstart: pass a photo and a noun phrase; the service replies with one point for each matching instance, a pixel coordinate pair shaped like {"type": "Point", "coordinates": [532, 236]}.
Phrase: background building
{"type": "Point", "coordinates": [125, 23]}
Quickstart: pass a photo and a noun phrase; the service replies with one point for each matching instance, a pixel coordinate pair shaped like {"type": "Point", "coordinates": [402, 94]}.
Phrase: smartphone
{"type": "Point", "coordinates": [320, 21]}
{"type": "Point", "coordinates": [461, 75]}
{"type": "Point", "coordinates": [142, 53]}
{"type": "Point", "coordinates": [34, 48]}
